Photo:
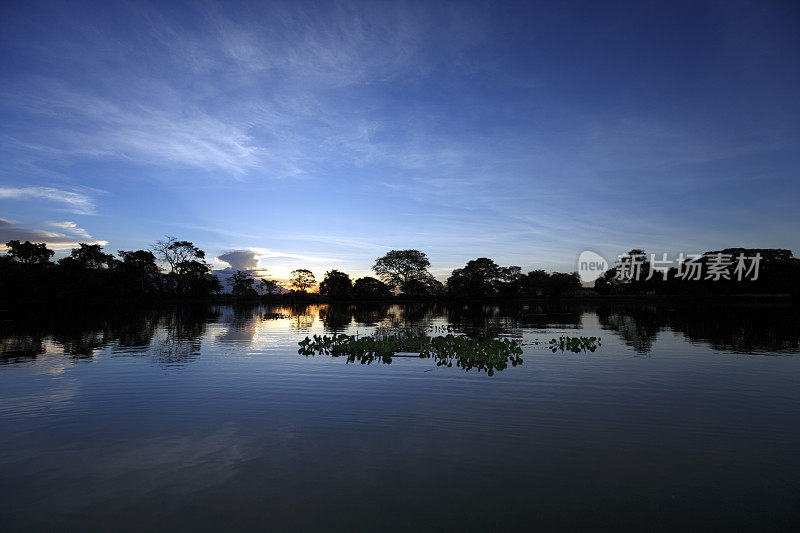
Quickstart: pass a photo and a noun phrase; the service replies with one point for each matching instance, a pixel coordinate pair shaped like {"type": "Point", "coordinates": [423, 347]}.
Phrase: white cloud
{"type": "Point", "coordinates": [98, 126]}
{"type": "Point", "coordinates": [240, 259]}
{"type": "Point", "coordinates": [71, 227]}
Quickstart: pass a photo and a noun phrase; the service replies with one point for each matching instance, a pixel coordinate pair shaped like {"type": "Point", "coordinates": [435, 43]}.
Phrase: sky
{"type": "Point", "coordinates": [321, 135]}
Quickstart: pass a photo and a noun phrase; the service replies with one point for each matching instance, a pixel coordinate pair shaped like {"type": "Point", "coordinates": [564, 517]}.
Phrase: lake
{"type": "Point", "coordinates": [207, 418]}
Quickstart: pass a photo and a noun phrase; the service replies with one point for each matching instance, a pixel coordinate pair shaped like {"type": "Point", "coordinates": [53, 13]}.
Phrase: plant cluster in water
{"type": "Point", "coordinates": [275, 316]}
{"type": "Point", "coordinates": [484, 354]}
{"type": "Point", "coordinates": [575, 344]}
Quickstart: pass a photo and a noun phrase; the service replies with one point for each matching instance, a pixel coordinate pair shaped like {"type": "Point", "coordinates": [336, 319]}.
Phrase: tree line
{"type": "Point", "coordinates": [175, 268]}
{"type": "Point", "coordinates": [777, 272]}
{"type": "Point", "coordinates": [88, 272]}
{"type": "Point", "coordinates": [406, 274]}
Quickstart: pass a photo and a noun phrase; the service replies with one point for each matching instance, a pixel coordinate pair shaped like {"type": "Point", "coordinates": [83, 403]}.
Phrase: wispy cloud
{"type": "Point", "coordinates": [100, 126]}
{"type": "Point", "coordinates": [75, 202]}
{"type": "Point", "coordinates": [234, 97]}
{"type": "Point", "coordinates": [71, 227]}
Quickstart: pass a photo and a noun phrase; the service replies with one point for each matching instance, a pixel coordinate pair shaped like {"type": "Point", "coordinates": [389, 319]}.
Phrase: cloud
{"type": "Point", "coordinates": [65, 240]}
{"type": "Point", "coordinates": [260, 97]}
{"type": "Point", "coordinates": [76, 202]}
{"type": "Point", "coordinates": [269, 253]}
{"type": "Point", "coordinates": [102, 127]}
{"type": "Point", "coordinates": [240, 259]}
{"type": "Point", "coordinates": [72, 228]}
{"type": "Point", "coordinates": [248, 259]}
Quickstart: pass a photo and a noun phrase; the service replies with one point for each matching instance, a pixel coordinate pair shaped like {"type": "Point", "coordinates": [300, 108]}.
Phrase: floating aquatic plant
{"type": "Point", "coordinates": [275, 316]}
{"type": "Point", "coordinates": [484, 354]}
{"type": "Point", "coordinates": [575, 344]}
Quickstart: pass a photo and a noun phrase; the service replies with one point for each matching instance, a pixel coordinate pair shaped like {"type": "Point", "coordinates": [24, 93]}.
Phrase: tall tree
{"type": "Point", "coordinates": [302, 279]}
{"type": "Point", "coordinates": [180, 257]}
{"type": "Point", "coordinates": [478, 279]}
{"type": "Point", "coordinates": [403, 268]}
{"type": "Point", "coordinates": [336, 285]}
{"type": "Point", "coordinates": [91, 256]}
{"type": "Point", "coordinates": [174, 252]}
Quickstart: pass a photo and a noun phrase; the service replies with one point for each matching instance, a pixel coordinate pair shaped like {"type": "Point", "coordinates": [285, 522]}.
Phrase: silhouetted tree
{"type": "Point", "coordinates": [510, 285]}
{"type": "Point", "coordinates": [269, 286]}
{"type": "Point", "coordinates": [143, 261]}
{"type": "Point", "coordinates": [563, 284]}
{"type": "Point", "coordinates": [139, 267]}
{"type": "Point", "coordinates": [242, 284]}
{"type": "Point", "coordinates": [403, 268]}
{"type": "Point", "coordinates": [88, 273]}
{"type": "Point", "coordinates": [482, 278]}
{"type": "Point", "coordinates": [427, 287]}
{"type": "Point", "coordinates": [28, 252]}
{"type": "Point", "coordinates": [478, 279]}
{"type": "Point", "coordinates": [26, 270]}
{"type": "Point", "coordinates": [368, 288]}
{"type": "Point", "coordinates": [196, 279]}
{"type": "Point", "coordinates": [175, 253]}
{"type": "Point", "coordinates": [538, 283]}
{"type": "Point", "coordinates": [302, 279]}
{"type": "Point", "coordinates": [91, 256]}
{"type": "Point", "coordinates": [336, 285]}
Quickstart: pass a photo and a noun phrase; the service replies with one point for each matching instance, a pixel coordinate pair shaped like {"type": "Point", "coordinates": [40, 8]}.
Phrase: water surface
{"type": "Point", "coordinates": [207, 418]}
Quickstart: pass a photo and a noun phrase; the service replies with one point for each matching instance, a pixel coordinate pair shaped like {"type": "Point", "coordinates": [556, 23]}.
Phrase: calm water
{"type": "Point", "coordinates": [206, 418]}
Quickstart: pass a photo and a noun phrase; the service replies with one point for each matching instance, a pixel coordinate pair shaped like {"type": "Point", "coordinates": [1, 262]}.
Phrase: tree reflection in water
{"type": "Point", "coordinates": [173, 335]}
{"type": "Point", "coordinates": [728, 327]}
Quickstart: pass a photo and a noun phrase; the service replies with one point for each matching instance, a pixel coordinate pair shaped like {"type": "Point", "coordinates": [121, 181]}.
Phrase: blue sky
{"type": "Point", "coordinates": [321, 135]}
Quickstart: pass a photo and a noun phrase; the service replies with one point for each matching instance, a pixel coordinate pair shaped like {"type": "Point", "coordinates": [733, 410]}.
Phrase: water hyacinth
{"type": "Point", "coordinates": [575, 344]}
{"type": "Point", "coordinates": [484, 354]}
{"type": "Point", "coordinates": [275, 316]}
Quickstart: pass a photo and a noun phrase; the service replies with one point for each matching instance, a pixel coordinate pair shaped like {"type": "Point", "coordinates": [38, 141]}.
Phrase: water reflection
{"type": "Point", "coordinates": [172, 334]}
{"type": "Point", "coordinates": [19, 348]}
{"type": "Point", "coordinates": [175, 335]}
{"type": "Point", "coordinates": [246, 433]}
{"type": "Point", "coordinates": [739, 328]}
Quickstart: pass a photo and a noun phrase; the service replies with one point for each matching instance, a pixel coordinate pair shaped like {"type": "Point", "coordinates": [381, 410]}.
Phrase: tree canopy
{"type": "Point", "coordinates": [302, 279]}
{"type": "Point", "coordinates": [403, 269]}
{"type": "Point", "coordinates": [28, 252]}
{"type": "Point", "coordinates": [91, 256]}
{"type": "Point", "coordinates": [336, 285]}
{"type": "Point", "coordinates": [369, 288]}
